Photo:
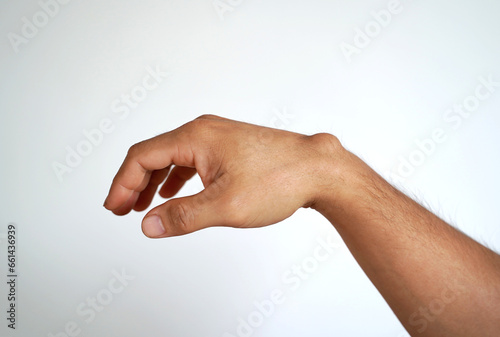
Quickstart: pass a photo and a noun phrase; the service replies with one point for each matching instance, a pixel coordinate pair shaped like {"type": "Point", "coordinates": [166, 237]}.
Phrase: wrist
{"type": "Point", "coordinates": [327, 170]}
{"type": "Point", "coordinates": [340, 178]}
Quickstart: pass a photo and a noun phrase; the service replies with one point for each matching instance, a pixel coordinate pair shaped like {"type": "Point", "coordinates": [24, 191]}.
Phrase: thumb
{"type": "Point", "coordinates": [184, 215]}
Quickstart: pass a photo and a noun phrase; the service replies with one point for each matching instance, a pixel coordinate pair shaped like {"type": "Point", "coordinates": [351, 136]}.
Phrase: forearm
{"type": "Point", "coordinates": [438, 281]}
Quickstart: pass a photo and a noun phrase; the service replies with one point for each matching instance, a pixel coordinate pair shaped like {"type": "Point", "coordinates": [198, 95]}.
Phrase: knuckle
{"type": "Point", "coordinates": [134, 150]}
{"type": "Point", "coordinates": [203, 128]}
{"type": "Point", "coordinates": [181, 218]}
{"type": "Point", "coordinates": [196, 125]}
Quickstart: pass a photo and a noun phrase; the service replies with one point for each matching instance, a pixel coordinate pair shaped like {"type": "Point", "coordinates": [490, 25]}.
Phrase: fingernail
{"type": "Point", "coordinates": [153, 226]}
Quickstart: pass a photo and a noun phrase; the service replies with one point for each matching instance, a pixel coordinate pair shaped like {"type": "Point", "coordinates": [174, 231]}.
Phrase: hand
{"type": "Point", "coordinates": [253, 176]}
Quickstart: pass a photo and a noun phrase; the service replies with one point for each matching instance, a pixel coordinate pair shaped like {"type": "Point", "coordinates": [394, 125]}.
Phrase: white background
{"type": "Point", "coordinates": [257, 61]}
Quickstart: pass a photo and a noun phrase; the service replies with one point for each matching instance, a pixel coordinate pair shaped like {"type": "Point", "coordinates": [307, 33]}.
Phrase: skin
{"type": "Point", "coordinates": [438, 281]}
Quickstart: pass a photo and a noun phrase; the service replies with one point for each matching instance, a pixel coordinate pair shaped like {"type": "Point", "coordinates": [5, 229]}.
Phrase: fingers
{"type": "Point", "coordinates": [128, 205]}
{"type": "Point", "coordinates": [142, 159]}
{"type": "Point", "coordinates": [188, 214]}
{"type": "Point", "coordinates": [176, 179]}
{"type": "Point", "coordinates": [147, 195]}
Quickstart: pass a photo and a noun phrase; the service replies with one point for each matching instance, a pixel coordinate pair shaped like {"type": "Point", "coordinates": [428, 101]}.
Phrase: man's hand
{"type": "Point", "coordinates": [438, 281]}
{"type": "Point", "coordinates": [253, 176]}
